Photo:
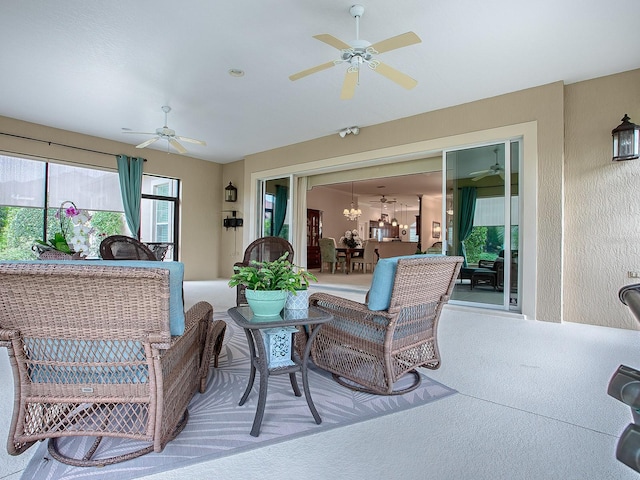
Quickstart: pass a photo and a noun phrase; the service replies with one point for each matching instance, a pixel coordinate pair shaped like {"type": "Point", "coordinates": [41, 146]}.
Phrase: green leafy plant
{"type": "Point", "coordinates": [274, 275]}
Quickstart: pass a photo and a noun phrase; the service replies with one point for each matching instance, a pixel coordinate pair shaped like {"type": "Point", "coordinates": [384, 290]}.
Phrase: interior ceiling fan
{"type": "Point", "coordinates": [382, 199]}
{"type": "Point", "coordinates": [361, 52]}
{"type": "Point", "coordinates": [495, 169]}
{"type": "Point", "coordinates": [165, 133]}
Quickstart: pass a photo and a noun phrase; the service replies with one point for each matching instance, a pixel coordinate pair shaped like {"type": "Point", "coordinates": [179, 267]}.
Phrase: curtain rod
{"type": "Point", "coordinates": [60, 144]}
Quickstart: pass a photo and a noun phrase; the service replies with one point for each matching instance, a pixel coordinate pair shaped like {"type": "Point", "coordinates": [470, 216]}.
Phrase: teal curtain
{"type": "Point", "coordinates": [280, 209]}
{"type": "Point", "coordinates": [130, 172]}
{"type": "Point", "coordinates": [468, 197]}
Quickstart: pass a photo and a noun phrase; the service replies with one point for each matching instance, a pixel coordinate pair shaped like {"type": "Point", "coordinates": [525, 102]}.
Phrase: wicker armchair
{"type": "Point", "coordinates": [261, 250]}
{"type": "Point", "coordinates": [121, 247]}
{"type": "Point", "coordinates": [369, 349]}
{"type": "Point", "coordinates": [92, 353]}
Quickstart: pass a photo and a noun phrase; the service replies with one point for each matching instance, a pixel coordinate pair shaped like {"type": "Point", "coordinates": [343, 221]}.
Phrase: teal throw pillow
{"type": "Point", "coordinates": [382, 283]}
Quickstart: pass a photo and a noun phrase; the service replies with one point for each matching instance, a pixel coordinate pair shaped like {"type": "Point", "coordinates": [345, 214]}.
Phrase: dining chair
{"type": "Point", "coordinates": [368, 258]}
{"type": "Point", "coordinates": [328, 254]}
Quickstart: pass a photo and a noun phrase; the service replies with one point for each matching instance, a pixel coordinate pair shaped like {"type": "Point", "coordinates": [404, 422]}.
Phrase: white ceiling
{"type": "Point", "coordinates": [99, 67]}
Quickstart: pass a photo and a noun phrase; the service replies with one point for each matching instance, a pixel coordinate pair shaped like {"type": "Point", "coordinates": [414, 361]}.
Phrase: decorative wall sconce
{"type": "Point", "coordinates": [230, 193]}
{"type": "Point", "coordinates": [626, 140]}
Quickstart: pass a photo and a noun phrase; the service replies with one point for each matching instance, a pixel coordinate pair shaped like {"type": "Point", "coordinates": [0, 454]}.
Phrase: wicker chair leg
{"type": "Point", "coordinates": [86, 460]}
{"type": "Point", "coordinates": [360, 388]}
{"type": "Point", "coordinates": [217, 346]}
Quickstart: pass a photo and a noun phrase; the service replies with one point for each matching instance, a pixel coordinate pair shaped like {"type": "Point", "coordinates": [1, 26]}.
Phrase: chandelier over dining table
{"type": "Point", "coordinates": [352, 213]}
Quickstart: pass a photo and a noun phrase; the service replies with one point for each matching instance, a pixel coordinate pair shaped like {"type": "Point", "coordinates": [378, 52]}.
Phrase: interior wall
{"type": "Point", "coordinates": [200, 182]}
{"type": "Point", "coordinates": [543, 105]}
{"type": "Point", "coordinates": [602, 211]}
{"type": "Point", "coordinates": [431, 212]}
{"type": "Point", "coordinates": [332, 203]}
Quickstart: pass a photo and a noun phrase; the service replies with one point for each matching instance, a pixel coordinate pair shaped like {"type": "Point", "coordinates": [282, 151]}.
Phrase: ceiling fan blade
{"type": "Point", "coordinates": [177, 146]}
{"type": "Point", "coordinates": [349, 85]}
{"type": "Point", "coordinates": [142, 133]}
{"type": "Point", "coordinates": [332, 41]}
{"type": "Point", "coordinates": [148, 142]}
{"type": "Point", "coordinates": [304, 73]}
{"type": "Point", "coordinates": [191, 140]}
{"type": "Point", "coordinates": [480, 172]}
{"type": "Point", "coordinates": [399, 41]}
{"type": "Point", "coordinates": [501, 173]}
{"type": "Point", "coordinates": [480, 177]}
{"type": "Point", "coordinates": [394, 75]}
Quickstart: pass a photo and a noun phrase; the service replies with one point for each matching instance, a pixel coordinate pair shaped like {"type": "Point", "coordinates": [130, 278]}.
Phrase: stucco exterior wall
{"type": "Point", "coordinates": [543, 105]}
{"type": "Point", "coordinates": [602, 206]}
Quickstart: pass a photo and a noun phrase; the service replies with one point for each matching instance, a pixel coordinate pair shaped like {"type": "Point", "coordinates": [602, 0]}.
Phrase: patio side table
{"type": "Point", "coordinates": [286, 361]}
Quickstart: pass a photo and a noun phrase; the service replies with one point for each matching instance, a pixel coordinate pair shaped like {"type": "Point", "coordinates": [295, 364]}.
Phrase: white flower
{"type": "Point", "coordinates": [81, 230]}
{"type": "Point", "coordinates": [77, 243]}
{"type": "Point", "coordinates": [81, 218]}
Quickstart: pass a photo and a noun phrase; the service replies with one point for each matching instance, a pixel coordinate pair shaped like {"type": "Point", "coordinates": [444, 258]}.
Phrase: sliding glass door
{"type": "Point", "coordinates": [481, 214]}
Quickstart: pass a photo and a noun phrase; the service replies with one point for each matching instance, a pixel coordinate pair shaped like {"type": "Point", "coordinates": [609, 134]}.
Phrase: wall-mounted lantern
{"type": "Point", "coordinates": [626, 140]}
{"type": "Point", "coordinates": [230, 193]}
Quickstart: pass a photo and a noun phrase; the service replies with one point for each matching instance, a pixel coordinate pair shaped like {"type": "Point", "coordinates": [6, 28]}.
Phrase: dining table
{"type": "Point", "coordinates": [349, 254]}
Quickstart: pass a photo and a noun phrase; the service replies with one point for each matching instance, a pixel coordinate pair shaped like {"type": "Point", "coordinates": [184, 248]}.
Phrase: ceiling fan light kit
{"type": "Point", "coordinates": [166, 133]}
{"type": "Point", "coordinates": [361, 52]}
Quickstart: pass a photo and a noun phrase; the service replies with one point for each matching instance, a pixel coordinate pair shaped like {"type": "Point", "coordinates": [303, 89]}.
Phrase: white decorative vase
{"type": "Point", "coordinates": [266, 303]}
{"type": "Point", "coordinates": [298, 300]}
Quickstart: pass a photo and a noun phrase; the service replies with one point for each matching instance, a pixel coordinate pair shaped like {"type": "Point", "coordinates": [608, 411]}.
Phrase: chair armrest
{"type": "Point", "coordinates": [349, 310]}
{"type": "Point", "coordinates": [201, 311]}
{"type": "Point", "coordinates": [353, 323]}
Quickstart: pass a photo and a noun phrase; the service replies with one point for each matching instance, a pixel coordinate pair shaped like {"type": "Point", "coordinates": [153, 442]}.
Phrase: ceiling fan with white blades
{"type": "Point", "coordinates": [495, 169]}
{"type": "Point", "coordinates": [165, 133]}
{"type": "Point", "coordinates": [361, 52]}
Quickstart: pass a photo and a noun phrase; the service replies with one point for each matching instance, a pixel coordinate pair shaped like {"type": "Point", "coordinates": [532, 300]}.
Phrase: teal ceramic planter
{"type": "Point", "coordinates": [266, 303]}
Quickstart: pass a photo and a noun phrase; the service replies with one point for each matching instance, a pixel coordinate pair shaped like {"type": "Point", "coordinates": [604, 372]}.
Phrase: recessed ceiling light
{"type": "Point", "coordinates": [236, 72]}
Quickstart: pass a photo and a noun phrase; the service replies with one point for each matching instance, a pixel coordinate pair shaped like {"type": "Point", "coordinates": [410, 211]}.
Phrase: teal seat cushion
{"type": "Point", "coordinates": [176, 277]}
{"type": "Point", "coordinates": [382, 282]}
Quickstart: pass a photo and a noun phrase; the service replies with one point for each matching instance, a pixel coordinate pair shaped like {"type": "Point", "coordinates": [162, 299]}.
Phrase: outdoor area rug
{"type": "Point", "coordinates": [218, 427]}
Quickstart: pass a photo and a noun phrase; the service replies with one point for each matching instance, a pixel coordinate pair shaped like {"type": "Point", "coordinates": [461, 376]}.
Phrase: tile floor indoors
{"type": "Point", "coordinates": [532, 404]}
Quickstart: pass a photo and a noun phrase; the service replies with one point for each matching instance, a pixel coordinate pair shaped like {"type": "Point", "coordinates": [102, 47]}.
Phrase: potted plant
{"type": "Point", "coordinates": [268, 284]}
{"type": "Point", "coordinates": [72, 239]}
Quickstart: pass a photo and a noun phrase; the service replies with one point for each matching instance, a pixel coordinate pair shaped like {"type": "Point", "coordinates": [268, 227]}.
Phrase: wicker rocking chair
{"type": "Point", "coordinates": [121, 247]}
{"type": "Point", "coordinates": [265, 249]}
{"type": "Point", "coordinates": [369, 347]}
{"type": "Point", "coordinates": [95, 352]}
